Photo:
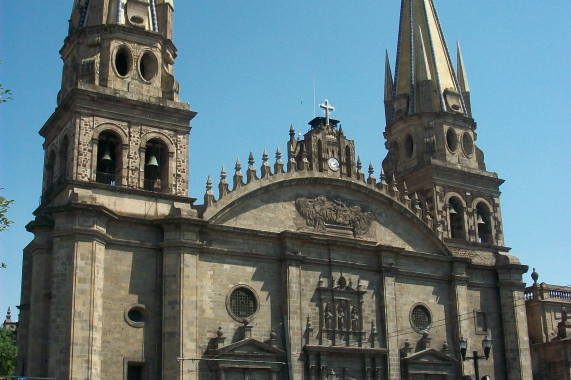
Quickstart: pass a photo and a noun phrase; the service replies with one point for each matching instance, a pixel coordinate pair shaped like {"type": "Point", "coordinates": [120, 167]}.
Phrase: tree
{"type": "Point", "coordinates": [8, 352]}
{"type": "Point", "coordinates": [4, 221]}
{"type": "Point", "coordinates": [5, 93]}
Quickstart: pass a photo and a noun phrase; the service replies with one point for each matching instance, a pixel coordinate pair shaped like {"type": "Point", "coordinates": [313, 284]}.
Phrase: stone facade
{"type": "Point", "coordinates": [299, 270]}
{"type": "Point", "coordinates": [547, 308]}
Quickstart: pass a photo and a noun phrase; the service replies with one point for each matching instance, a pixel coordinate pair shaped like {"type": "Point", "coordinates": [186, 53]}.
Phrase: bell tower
{"type": "Point", "coordinates": [430, 133]}
{"type": "Point", "coordinates": [119, 121]}
{"type": "Point", "coordinates": [115, 167]}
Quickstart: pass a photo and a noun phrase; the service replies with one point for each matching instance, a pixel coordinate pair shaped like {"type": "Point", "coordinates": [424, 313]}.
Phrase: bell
{"type": "Point", "coordinates": [153, 161]}
{"type": "Point", "coordinates": [452, 210]}
{"type": "Point", "coordinates": [479, 219]}
{"type": "Point", "coordinates": [106, 156]}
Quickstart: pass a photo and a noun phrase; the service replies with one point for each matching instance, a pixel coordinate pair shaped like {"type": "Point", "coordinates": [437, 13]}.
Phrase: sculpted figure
{"type": "Point", "coordinates": [354, 319]}
{"type": "Point", "coordinates": [328, 316]}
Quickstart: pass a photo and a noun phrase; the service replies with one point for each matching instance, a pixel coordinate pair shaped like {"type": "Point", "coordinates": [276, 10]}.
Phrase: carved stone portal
{"type": "Point", "coordinates": [322, 212]}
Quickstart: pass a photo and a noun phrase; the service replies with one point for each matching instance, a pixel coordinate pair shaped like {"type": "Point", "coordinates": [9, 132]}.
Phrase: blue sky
{"type": "Point", "coordinates": [248, 69]}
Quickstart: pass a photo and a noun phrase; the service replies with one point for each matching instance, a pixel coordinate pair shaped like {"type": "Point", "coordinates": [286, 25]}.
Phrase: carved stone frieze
{"type": "Point", "coordinates": [321, 211]}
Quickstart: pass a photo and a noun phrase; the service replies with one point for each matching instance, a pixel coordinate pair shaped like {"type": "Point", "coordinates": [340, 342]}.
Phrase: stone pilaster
{"type": "Point", "coordinates": [389, 309]}
{"type": "Point", "coordinates": [514, 321]}
{"type": "Point", "coordinates": [76, 318]}
{"type": "Point", "coordinates": [180, 301]}
{"type": "Point", "coordinates": [460, 309]}
{"type": "Point", "coordinates": [39, 303]}
{"type": "Point", "coordinates": [293, 315]}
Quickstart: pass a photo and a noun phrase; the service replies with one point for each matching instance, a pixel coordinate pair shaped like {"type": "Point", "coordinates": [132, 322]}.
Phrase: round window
{"type": "Point", "coordinates": [467, 144]}
{"type": "Point", "coordinates": [136, 315]}
{"type": "Point", "coordinates": [148, 66]}
{"type": "Point", "coordinates": [420, 318]}
{"type": "Point", "coordinates": [242, 304]}
{"type": "Point", "coordinates": [123, 61]}
{"type": "Point", "coordinates": [451, 139]}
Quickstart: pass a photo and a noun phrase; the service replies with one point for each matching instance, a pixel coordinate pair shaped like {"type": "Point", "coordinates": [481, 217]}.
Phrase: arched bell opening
{"type": "Point", "coordinates": [108, 159]}
{"type": "Point", "coordinates": [49, 171]}
{"type": "Point", "coordinates": [320, 158]}
{"type": "Point", "coordinates": [484, 223]}
{"type": "Point", "coordinates": [456, 216]}
{"type": "Point", "coordinates": [348, 162]}
{"type": "Point", "coordinates": [62, 155]}
{"type": "Point", "coordinates": [156, 166]}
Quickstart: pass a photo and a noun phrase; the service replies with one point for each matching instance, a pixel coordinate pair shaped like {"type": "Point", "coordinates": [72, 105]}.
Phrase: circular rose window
{"type": "Point", "coordinates": [242, 303]}
{"type": "Point", "coordinates": [420, 318]}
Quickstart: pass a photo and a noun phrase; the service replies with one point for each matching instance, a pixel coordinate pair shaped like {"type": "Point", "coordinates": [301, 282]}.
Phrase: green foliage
{"type": "Point", "coordinates": [4, 206]}
{"type": "Point", "coordinates": [4, 221]}
{"type": "Point", "coordinates": [5, 93]}
{"type": "Point", "coordinates": [8, 352]}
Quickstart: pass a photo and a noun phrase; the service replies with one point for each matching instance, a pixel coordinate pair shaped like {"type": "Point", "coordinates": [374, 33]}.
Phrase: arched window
{"type": "Point", "coordinates": [49, 171]}
{"type": "Point", "coordinates": [484, 223]}
{"type": "Point", "coordinates": [62, 167]}
{"type": "Point", "coordinates": [156, 166]}
{"type": "Point", "coordinates": [456, 214]}
{"type": "Point", "coordinates": [348, 162]}
{"type": "Point", "coordinates": [108, 158]}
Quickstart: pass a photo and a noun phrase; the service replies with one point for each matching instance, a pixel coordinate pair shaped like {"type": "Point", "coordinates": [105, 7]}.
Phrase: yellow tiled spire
{"type": "Point", "coordinates": [424, 75]}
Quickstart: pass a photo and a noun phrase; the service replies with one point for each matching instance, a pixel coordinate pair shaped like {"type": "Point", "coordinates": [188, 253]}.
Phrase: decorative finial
{"type": "Point", "coordinates": [534, 276]}
{"type": "Point", "coordinates": [219, 333]}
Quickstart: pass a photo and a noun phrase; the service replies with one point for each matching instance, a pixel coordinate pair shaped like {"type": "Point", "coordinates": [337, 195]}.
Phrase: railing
{"type": "Point", "coordinates": [107, 178]}
{"type": "Point", "coordinates": [152, 185]}
{"type": "Point", "coordinates": [545, 291]}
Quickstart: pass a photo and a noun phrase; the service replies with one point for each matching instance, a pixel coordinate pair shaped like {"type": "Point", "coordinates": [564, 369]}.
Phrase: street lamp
{"type": "Point", "coordinates": [486, 345]}
{"type": "Point", "coordinates": [331, 375]}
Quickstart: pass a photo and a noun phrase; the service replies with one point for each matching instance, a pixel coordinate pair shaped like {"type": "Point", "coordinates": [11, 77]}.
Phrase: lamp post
{"type": "Point", "coordinates": [486, 345]}
{"type": "Point", "coordinates": [331, 374]}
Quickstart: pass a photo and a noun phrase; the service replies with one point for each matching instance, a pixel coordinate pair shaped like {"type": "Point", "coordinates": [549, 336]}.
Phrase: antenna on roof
{"type": "Point", "coordinates": [314, 96]}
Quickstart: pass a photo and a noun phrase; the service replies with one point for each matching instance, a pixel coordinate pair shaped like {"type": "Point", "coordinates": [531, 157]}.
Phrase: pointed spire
{"type": "Point", "coordinates": [371, 180]}
{"type": "Point", "coordinates": [265, 169]}
{"type": "Point", "coordinates": [421, 47]}
{"type": "Point", "coordinates": [389, 85]}
{"type": "Point", "coordinates": [360, 174]}
{"type": "Point", "coordinates": [238, 175]}
{"type": "Point", "coordinates": [463, 79]}
{"type": "Point", "coordinates": [389, 88]}
{"type": "Point", "coordinates": [279, 165]}
{"type": "Point", "coordinates": [209, 196]}
{"type": "Point", "coordinates": [251, 174]}
{"type": "Point", "coordinates": [223, 185]}
{"type": "Point", "coordinates": [423, 72]}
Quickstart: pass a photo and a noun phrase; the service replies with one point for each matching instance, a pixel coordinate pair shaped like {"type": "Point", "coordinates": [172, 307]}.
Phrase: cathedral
{"type": "Point", "coordinates": [307, 266]}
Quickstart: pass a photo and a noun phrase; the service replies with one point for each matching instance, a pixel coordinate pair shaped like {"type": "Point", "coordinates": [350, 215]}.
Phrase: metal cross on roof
{"type": "Point", "coordinates": [327, 109]}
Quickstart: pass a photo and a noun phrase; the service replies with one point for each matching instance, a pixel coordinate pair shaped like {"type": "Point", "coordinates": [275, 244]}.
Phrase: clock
{"type": "Point", "coordinates": [333, 164]}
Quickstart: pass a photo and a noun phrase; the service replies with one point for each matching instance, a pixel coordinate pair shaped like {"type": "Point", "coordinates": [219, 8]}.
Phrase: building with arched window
{"type": "Point", "coordinates": [309, 268]}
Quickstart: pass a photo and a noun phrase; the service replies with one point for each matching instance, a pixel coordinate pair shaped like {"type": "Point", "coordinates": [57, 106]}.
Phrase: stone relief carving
{"type": "Point", "coordinates": [321, 211]}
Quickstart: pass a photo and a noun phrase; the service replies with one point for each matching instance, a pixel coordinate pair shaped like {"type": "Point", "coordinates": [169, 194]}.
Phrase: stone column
{"type": "Point", "coordinates": [389, 310]}
{"type": "Point", "coordinates": [514, 321]}
{"type": "Point", "coordinates": [180, 300]}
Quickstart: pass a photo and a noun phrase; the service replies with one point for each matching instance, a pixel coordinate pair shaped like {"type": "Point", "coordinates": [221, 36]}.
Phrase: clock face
{"type": "Point", "coordinates": [333, 164]}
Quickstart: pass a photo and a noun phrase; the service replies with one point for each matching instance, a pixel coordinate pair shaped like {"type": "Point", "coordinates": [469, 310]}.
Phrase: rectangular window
{"type": "Point", "coordinates": [481, 322]}
{"type": "Point", "coordinates": [135, 371]}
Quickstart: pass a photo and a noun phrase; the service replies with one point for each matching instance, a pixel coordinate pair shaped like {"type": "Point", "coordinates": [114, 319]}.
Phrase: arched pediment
{"type": "Point", "coordinates": [324, 205]}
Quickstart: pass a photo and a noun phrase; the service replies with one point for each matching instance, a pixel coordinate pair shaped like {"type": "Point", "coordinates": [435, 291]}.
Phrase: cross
{"type": "Point", "coordinates": [327, 109]}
